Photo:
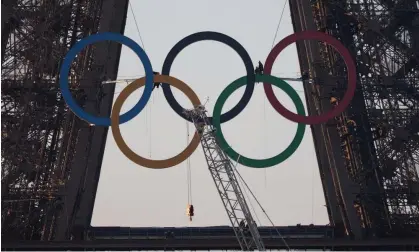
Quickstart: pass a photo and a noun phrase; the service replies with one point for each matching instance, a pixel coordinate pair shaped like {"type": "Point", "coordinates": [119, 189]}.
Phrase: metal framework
{"type": "Point", "coordinates": [368, 156]}
{"type": "Point", "coordinates": [208, 243]}
{"type": "Point", "coordinates": [45, 148]}
{"type": "Point", "coordinates": [228, 187]}
{"type": "Point", "coordinates": [51, 160]}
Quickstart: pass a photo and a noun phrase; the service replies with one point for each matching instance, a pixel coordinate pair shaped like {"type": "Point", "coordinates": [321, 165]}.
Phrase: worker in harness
{"type": "Point", "coordinates": [333, 101]}
{"type": "Point", "coordinates": [190, 211]}
{"type": "Point", "coordinates": [244, 226]}
{"type": "Point", "coordinates": [259, 68]}
{"type": "Point", "coordinates": [156, 84]}
{"type": "Point", "coordinates": [350, 128]}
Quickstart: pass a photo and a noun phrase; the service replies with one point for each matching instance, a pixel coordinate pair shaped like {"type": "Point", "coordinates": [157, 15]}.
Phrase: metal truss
{"type": "Point", "coordinates": [217, 243]}
{"type": "Point", "coordinates": [51, 160]}
{"type": "Point", "coordinates": [379, 131]}
{"type": "Point", "coordinates": [228, 187]}
{"type": "Point", "coordinates": [39, 133]}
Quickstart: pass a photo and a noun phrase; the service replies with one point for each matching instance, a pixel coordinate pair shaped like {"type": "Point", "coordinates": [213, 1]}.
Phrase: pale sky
{"type": "Point", "coordinates": [130, 195]}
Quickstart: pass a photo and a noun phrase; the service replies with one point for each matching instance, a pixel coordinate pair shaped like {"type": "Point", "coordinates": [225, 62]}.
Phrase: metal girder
{"type": "Point", "coordinates": [341, 191]}
{"type": "Point", "coordinates": [38, 131]}
{"type": "Point", "coordinates": [227, 243]}
{"type": "Point", "coordinates": [80, 190]}
{"type": "Point", "coordinates": [381, 155]}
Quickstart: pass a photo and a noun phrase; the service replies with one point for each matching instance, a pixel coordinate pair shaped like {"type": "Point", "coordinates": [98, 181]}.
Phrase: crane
{"type": "Point", "coordinates": [222, 172]}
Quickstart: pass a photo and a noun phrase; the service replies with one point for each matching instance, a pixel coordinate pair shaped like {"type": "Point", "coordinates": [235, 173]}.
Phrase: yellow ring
{"type": "Point", "coordinates": [154, 164]}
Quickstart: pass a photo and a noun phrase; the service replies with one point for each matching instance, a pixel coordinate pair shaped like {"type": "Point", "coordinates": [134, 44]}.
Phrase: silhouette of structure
{"type": "Point", "coordinates": [368, 157]}
{"type": "Point", "coordinates": [51, 159]}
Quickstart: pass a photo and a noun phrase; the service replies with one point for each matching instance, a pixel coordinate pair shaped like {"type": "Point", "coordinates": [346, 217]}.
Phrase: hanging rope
{"type": "Point", "coordinates": [149, 136]}
{"type": "Point", "coordinates": [188, 169]}
{"type": "Point", "coordinates": [265, 139]}
{"type": "Point", "coordinates": [146, 127]}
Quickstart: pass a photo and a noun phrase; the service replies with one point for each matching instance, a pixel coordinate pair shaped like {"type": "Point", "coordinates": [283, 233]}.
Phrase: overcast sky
{"type": "Point", "coordinates": [130, 195]}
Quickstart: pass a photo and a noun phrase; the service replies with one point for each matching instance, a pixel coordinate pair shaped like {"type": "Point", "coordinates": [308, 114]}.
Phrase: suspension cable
{"type": "Point", "coordinates": [136, 24]}
{"type": "Point", "coordinates": [279, 23]}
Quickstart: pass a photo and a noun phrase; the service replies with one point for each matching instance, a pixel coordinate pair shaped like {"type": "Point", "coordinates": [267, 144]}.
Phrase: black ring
{"type": "Point", "coordinates": [208, 35]}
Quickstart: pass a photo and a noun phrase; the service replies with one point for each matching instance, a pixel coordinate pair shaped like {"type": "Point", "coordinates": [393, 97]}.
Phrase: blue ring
{"type": "Point", "coordinates": [65, 68]}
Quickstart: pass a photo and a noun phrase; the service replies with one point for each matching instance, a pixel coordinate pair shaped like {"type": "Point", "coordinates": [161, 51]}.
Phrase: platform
{"type": "Point", "coordinates": [212, 238]}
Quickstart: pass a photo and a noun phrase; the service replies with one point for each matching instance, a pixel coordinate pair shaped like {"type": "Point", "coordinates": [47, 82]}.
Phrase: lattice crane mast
{"type": "Point", "coordinates": [222, 172]}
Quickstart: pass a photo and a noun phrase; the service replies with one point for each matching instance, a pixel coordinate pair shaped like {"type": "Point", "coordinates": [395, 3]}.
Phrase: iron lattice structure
{"type": "Point", "coordinates": [51, 160]}
{"type": "Point", "coordinates": [228, 187]}
{"type": "Point", "coordinates": [40, 136]}
{"type": "Point", "coordinates": [372, 149]}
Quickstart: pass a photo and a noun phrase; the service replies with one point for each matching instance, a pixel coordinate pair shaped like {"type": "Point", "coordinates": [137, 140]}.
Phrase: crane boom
{"type": "Point", "coordinates": [222, 172]}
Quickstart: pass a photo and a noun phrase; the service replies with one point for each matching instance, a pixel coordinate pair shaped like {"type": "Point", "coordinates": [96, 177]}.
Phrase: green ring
{"type": "Point", "coordinates": [258, 163]}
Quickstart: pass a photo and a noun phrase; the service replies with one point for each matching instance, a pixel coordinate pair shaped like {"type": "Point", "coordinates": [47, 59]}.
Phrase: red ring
{"type": "Point", "coordinates": [350, 64]}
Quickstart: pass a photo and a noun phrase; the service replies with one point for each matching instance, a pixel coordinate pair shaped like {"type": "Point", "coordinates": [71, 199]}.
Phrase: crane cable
{"type": "Point", "coordinates": [248, 198]}
{"type": "Point", "coordinates": [188, 169]}
{"type": "Point", "coordinates": [263, 210]}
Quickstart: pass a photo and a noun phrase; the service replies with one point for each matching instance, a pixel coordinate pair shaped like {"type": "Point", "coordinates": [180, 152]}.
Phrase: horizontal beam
{"type": "Point", "coordinates": [220, 243]}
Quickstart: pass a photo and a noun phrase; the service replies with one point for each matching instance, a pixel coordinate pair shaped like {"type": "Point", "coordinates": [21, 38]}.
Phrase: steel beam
{"type": "Point", "coordinates": [336, 181]}
{"type": "Point", "coordinates": [228, 243]}
{"type": "Point", "coordinates": [81, 188]}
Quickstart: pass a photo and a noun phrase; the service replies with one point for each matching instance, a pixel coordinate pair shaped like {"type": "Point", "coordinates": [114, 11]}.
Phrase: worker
{"type": "Point", "coordinates": [190, 211]}
{"type": "Point", "coordinates": [200, 127]}
{"type": "Point", "coordinates": [351, 127]}
{"type": "Point", "coordinates": [305, 76]}
{"type": "Point", "coordinates": [333, 101]}
{"type": "Point", "coordinates": [156, 84]}
{"type": "Point", "coordinates": [259, 68]}
{"type": "Point", "coordinates": [242, 225]}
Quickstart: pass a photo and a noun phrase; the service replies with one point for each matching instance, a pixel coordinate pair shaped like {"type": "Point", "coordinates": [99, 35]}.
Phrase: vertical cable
{"type": "Point", "coordinates": [149, 137]}
{"type": "Point", "coordinates": [264, 139]}
{"type": "Point", "coordinates": [188, 168]}
{"type": "Point", "coordinates": [146, 126]}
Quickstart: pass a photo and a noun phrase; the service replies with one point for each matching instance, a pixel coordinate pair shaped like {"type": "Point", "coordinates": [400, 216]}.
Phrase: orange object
{"type": "Point", "coordinates": [190, 211]}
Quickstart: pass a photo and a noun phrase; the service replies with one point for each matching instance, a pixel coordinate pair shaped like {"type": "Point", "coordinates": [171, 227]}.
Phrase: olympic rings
{"type": "Point", "coordinates": [218, 118]}
{"type": "Point", "coordinates": [155, 164]}
{"type": "Point", "coordinates": [65, 68]}
{"type": "Point", "coordinates": [258, 163]}
{"type": "Point", "coordinates": [350, 64]}
{"type": "Point", "coordinates": [200, 36]}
